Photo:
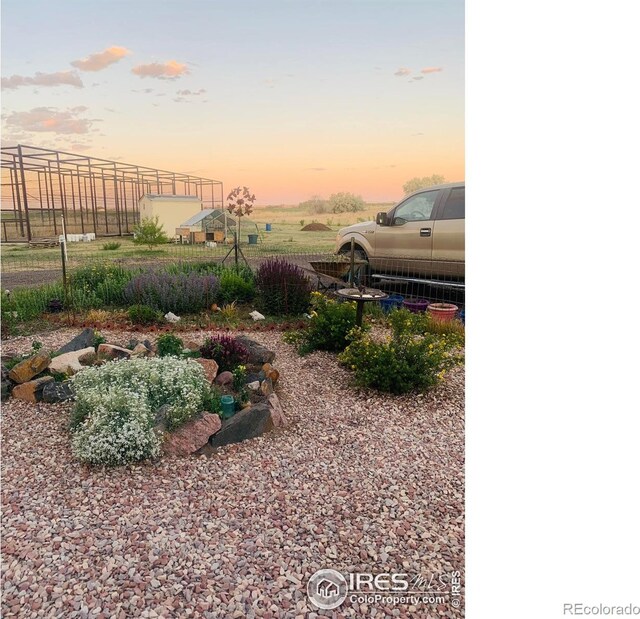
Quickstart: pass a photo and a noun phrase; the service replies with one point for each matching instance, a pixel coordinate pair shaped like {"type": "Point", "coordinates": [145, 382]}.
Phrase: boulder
{"type": "Point", "coordinates": [134, 342]}
{"type": "Point", "coordinates": [254, 385]}
{"type": "Point", "coordinates": [245, 424]}
{"type": "Point", "coordinates": [140, 350]}
{"type": "Point", "coordinates": [258, 354]}
{"type": "Point", "coordinates": [210, 368]}
{"type": "Point", "coordinates": [53, 392]}
{"type": "Point", "coordinates": [192, 436]}
{"type": "Point", "coordinates": [224, 378]}
{"type": "Point", "coordinates": [275, 409]}
{"type": "Point", "coordinates": [31, 391]}
{"type": "Point", "coordinates": [27, 369]}
{"type": "Point", "coordinates": [80, 341]}
{"type": "Point", "coordinates": [71, 362]}
{"type": "Point", "coordinates": [192, 346]}
{"type": "Point", "coordinates": [111, 351]}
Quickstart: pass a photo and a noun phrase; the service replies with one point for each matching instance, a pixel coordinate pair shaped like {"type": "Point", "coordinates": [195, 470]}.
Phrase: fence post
{"type": "Point", "coordinates": [65, 283]}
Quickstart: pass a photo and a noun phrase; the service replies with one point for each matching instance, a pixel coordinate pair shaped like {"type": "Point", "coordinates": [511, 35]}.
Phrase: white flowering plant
{"type": "Point", "coordinates": [113, 419]}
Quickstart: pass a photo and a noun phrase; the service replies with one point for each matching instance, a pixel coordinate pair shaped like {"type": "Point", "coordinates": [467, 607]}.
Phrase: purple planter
{"type": "Point", "coordinates": [416, 307]}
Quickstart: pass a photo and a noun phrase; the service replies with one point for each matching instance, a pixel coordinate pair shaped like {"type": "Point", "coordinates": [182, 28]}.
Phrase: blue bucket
{"type": "Point", "coordinates": [267, 227]}
{"type": "Point", "coordinates": [393, 301]}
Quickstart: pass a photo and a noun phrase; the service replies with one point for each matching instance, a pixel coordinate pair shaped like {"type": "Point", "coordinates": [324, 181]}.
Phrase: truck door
{"type": "Point", "coordinates": [448, 236]}
{"type": "Point", "coordinates": [404, 247]}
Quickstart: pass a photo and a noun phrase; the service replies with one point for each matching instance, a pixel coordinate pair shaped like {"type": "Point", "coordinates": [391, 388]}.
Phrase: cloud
{"type": "Point", "coordinates": [61, 78]}
{"type": "Point", "coordinates": [77, 146]}
{"type": "Point", "coordinates": [418, 77]}
{"type": "Point", "coordinates": [402, 71]}
{"type": "Point", "coordinates": [431, 70]}
{"type": "Point", "coordinates": [318, 169]}
{"type": "Point", "coordinates": [193, 93]}
{"type": "Point", "coordinates": [41, 119]}
{"type": "Point", "coordinates": [168, 71]}
{"type": "Point", "coordinates": [101, 60]}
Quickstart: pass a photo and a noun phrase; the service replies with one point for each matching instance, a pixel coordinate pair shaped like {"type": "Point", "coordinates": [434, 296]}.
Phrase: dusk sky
{"type": "Point", "coordinates": [289, 98]}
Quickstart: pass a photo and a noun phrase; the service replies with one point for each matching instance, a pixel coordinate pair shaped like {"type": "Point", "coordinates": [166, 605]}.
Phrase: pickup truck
{"type": "Point", "coordinates": [420, 239]}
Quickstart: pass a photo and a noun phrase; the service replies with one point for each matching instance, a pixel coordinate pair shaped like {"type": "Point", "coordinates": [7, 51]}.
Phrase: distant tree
{"type": "Point", "coordinates": [149, 232]}
{"type": "Point", "coordinates": [345, 202]}
{"type": "Point", "coordinates": [421, 183]}
{"type": "Point", "coordinates": [316, 204]}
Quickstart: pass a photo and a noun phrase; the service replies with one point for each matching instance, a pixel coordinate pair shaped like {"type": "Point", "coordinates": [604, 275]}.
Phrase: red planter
{"type": "Point", "coordinates": [444, 312]}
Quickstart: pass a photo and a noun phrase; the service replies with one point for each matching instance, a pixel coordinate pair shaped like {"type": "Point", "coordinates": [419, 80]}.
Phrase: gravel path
{"type": "Point", "coordinates": [357, 482]}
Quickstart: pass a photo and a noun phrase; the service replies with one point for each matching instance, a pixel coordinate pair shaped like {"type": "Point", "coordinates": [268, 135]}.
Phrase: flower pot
{"type": "Point", "coordinates": [444, 312]}
{"type": "Point", "coordinates": [417, 307]}
{"type": "Point", "coordinates": [393, 301]}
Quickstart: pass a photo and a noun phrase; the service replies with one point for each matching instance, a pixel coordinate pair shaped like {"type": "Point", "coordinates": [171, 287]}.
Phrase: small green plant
{"type": "Point", "coordinates": [150, 232]}
{"type": "Point", "coordinates": [143, 315]}
{"type": "Point", "coordinates": [98, 339]}
{"type": "Point", "coordinates": [302, 223]}
{"type": "Point", "coordinates": [212, 400]}
{"type": "Point", "coordinates": [404, 321]}
{"type": "Point", "coordinates": [112, 246]}
{"type": "Point", "coordinates": [229, 313]}
{"type": "Point", "coordinates": [169, 344]}
{"type": "Point", "coordinates": [236, 285]}
{"type": "Point", "coordinates": [239, 377]}
{"type": "Point", "coordinates": [329, 327]}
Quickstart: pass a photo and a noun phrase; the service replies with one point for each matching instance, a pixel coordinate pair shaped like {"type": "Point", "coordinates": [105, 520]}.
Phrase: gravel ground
{"type": "Point", "coordinates": [358, 482]}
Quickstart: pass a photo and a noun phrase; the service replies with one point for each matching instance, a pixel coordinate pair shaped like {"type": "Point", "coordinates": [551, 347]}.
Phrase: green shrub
{"type": "Point", "coordinates": [150, 232]}
{"type": "Point", "coordinates": [143, 315]}
{"type": "Point", "coordinates": [23, 304]}
{"type": "Point", "coordinates": [169, 344]}
{"type": "Point", "coordinates": [112, 246]}
{"type": "Point", "coordinates": [113, 418]}
{"type": "Point", "coordinates": [213, 400]}
{"type": "Point", "coordinates": [345, 202]}
{"type": "Point", "coordinates": [404, 321]}
{"type": "Point", "coordinates": [400, 364]}
{"type": "Point", "coordinates": [236, 285]}
{"type": "Point", "coordinates": [98, 285]}
{"type": "Point", "coordinates": [328, 328]}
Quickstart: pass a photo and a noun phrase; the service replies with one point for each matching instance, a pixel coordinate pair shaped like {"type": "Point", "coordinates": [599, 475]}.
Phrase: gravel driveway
{"type": "Point", "coordinates": [357, 482]}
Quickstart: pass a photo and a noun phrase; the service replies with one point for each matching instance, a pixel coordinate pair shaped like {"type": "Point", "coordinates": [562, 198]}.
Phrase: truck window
{"type": "Point", "coordinates": [417, 208]}
{"type": "Point", "coordinates": [454, 207]}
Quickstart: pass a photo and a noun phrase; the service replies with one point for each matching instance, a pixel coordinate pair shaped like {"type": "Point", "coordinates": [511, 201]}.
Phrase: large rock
{"type": "Point", "coordinates": [53, 392]}
{"type": "Point", "coordinates": [80, 341]}
{"type": "Point", "coordinates": [27, 369]}
{"type": "Point", "coordinates": [140, 350]}
{"type": "Point", "coordinates": [31, 391]}
{"type": "Point", "coordinates": [224, 378]}
{"type": "Point", "coordinates": [258, 354]}
{"type": "Point", "coordinates": [192, 435]}
{"type": "Point", "coordinates": [70, 363]}
{"type": "Point", "coordinates": [246, 424]}
{"type": "Point", "coordinates": [111, 351]}
{"type": "Point", "coordinates": [210, 368]}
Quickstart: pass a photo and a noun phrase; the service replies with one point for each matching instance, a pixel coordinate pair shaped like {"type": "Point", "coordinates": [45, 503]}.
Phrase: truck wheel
{"type": "Point", "coordinates": [364, 276]}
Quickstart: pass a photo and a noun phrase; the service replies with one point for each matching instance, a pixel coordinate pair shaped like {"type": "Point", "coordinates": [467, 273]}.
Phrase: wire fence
{"type": "Point", "coordinates": [402, 278]}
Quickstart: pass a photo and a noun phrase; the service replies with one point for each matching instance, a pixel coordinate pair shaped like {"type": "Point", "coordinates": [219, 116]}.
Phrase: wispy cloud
{"type": "Point", "coordinates": [101, 60]}
{"type": "Point", "coordinates": [418, 77]}
{"type": "Point", "coordinates": [431, 70]}
{"type": "Point", "coordinates": [42, 119]}
{"type": "Point", "coordinates": [318, 169]}
{"type": "Point", "coordinates": [402, 71]}
{"type": "Point", "coordinates": [193, 93]}
{"type": "Point", "coordinates": [165, 71]}
{"type": "Point", "coordinates": [61, 78]}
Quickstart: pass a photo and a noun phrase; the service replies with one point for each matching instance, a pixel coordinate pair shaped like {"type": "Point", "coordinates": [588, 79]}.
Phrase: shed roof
{"type": "Point", "coordinates": [207, 212]}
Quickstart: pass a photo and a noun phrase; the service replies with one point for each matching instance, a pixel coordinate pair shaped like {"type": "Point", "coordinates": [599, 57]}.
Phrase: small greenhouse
{"type": "Point", "coordinates": [211, 224]}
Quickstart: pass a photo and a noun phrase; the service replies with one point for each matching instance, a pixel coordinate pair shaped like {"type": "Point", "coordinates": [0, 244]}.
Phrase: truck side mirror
{"type": "Point", "coordinates": [381, 219]}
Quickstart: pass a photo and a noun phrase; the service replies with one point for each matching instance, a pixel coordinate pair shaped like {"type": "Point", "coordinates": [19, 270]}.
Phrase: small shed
{"type": "Point", "coordinates": [169, 209]}
{"type": "Point", "coordinates": [210, 224]}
